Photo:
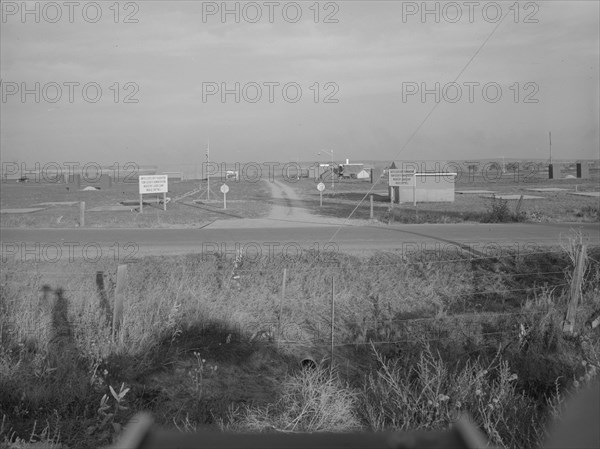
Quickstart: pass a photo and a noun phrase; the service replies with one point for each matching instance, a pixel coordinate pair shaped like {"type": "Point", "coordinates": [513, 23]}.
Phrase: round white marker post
{"type": "Point", "coordinates": [320, 188]}
{"type": "Point", "coordinates": [224, 190]}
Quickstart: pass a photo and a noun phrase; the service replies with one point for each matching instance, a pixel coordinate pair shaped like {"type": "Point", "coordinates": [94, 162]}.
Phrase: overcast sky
{"type": "Point", "coordinates": [372, 57]}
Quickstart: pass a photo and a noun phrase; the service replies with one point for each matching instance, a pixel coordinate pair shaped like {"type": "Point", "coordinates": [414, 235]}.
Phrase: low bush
{"type": "Point", "coordinates": [432, 394]}
{"type": "Point", "coordinates": [498, 211]}
{"type": "Point", "coordinates": [313, 400]}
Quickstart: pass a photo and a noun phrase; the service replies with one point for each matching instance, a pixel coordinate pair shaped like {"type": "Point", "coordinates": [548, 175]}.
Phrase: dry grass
{"type": "Point", "coordinates": [58, 358]}
{"type": "Point", "coordinates": [432, 394]}
{"type": "Point", "coordinates": [313, 400]}
{"type": "Point", "coordinates": [245, 199]}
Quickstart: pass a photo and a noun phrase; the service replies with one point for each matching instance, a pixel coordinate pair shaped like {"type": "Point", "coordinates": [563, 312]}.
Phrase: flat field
{"type": "Point", "coordinates": [351, 198]}
{"type": "Point", "coordinates": [244, 200]}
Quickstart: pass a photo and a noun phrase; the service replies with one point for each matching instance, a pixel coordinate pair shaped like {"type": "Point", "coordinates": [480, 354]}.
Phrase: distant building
{"type": "Point", "coordinates": [365, 173]}
{"type": "Point", "coordinates": [354, 171]}
{"type": "Point", "coordinates": [423, 186]}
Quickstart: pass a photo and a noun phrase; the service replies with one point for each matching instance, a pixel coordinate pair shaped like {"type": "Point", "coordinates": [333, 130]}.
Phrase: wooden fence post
{"type": "Point", "coordinates": [281, 305]}
{"type": "Point", "coordinates": [518, 208]}
{"type": "Point", "coordinates": [82, 214]}
{"type": "Point", "coordinates": [104, 304]}
{"type": "Point", "coordinates": [118, 307]}
{"type": "Point", "coordinates": [575, 292]}
{"type": "Point", "coordinates": [332, 316]}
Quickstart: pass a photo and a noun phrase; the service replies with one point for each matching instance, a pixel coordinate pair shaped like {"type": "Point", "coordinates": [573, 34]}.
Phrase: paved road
{"type": "Point", "coordinates": [475, 238]}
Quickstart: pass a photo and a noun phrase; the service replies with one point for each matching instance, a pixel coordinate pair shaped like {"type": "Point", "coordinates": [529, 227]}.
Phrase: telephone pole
{"type": "Point", "coordinates": [207, 169]}
{"type": "Point", "coordinates": [550, 140]}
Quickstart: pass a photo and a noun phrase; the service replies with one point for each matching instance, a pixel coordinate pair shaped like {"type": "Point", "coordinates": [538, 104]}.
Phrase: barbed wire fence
{"type": "Point", "coordinates": [341, 329]}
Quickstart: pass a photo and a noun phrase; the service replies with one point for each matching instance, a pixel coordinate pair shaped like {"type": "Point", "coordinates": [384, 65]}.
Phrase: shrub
{"type": "Point", "coordinates": [430, 395]}
{"type": "Point", "coordinates": [313, 400]}
{"type": "Point", "coordinates": [498, 211]}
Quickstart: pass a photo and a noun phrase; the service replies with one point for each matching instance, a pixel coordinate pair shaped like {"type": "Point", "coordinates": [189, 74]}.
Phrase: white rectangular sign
{"type": "Point", "coordinates": [153, 184]}
{"type": "Point", "coordinates": [399, 177]}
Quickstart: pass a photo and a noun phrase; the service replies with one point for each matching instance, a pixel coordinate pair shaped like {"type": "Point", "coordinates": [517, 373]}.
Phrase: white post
{"type": "Point", "coordinates": [415, 188]}
{"type": "Point", "coordinates": [332, 186]}
{"type": "Point", "coordinates": [164, 200]}
{"type": "Point", "coordinates": [550, 141]}
{"type": "Point", "coordinates": [207, 170]}
{"type": "Point", "coordinates": [224, 201]}
{"type": "Point", "coordinates": [82, 213]}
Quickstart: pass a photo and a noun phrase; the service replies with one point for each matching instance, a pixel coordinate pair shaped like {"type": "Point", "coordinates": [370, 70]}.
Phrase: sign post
{"type": "Point", "coordinates": [153, 184]}
{"type": "Point", "coordinates": [82, 213]}
{"type": "Point", "coordinates": [415, 188]}
{"type": "Point", "coordinates": [224, 190]}
{"type": "Point", "coordinates": [320, 188]}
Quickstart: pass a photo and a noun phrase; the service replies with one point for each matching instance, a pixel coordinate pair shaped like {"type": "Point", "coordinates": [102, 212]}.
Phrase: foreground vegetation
{"type": "Point", "coordinates": [208, 342]}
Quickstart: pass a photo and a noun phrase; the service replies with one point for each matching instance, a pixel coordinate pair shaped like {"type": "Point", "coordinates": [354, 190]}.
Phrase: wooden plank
{"type": "Point", "coordinates": [575, 292]}
{"type": "Point", "coordinates": [119, 299]}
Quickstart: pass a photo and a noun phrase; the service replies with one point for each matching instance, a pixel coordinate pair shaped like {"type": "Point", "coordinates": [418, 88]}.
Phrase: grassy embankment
{"type": "Point", "coordinates": [185, 349]}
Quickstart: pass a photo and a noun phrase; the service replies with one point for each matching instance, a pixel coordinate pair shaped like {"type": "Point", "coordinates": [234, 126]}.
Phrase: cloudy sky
{"type": "Point", "coordinates": [354, 73]}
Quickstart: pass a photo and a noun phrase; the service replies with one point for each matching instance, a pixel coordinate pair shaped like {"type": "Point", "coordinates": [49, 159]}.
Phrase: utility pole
{"type": "Point", "coordinates": [332, 186]}
{"type": "Point", "coordinates": [207, 169]}
{"type": "Point", "coordinates": [550, 138]}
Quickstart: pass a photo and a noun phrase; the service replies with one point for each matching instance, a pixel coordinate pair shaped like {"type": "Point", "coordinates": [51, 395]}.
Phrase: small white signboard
{"type": "Point", "coordinates": [398, 177]}
{"type": "Point", "coordinates": [153, 184]}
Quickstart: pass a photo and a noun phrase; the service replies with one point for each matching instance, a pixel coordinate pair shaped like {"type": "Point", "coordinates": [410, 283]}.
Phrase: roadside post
{"type": "Point", "coordinates": [371, 214]}
{"type": "Point", "coordinates": [415, 188]}
{"type": "Point", "coordinates": [119, 298]}
{"type": "Point", "coordinates": [224, 190]}
{"type": "Point", "coordinates": [82, 214]}
{"type": "Point", "coordinates": [320, 188]}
